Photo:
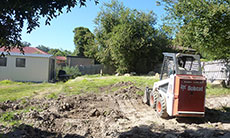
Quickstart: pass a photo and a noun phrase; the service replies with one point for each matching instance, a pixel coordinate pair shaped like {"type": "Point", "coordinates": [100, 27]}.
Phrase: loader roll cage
{"type": "Point", "coordinates": [183, 64]}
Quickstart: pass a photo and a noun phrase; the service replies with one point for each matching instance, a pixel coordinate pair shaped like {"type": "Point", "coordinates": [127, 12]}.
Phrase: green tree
{"type": "Point", "coordinates": [127, 38]}
{"type": "Point", "coordinates": [26, 44]}
{"type": "Point", "coordinates": [84, 42]}
{"type": "Point", "coordinates": [67, 52]}
{"type": "Point", "coordinates": [59, 52]}
{"type": "Point", "coordinates": [14, 14]}
{"type": "Point", "coordinates": [201, 24]}
{"type": "Point", "coordinates": [55, 52]}
{"type": "Point", "coordinates": [43, 48]}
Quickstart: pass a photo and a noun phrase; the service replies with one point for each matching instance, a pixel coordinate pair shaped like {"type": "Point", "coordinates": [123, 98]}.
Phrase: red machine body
{"type": "Point", "coordinates": [189, 96]}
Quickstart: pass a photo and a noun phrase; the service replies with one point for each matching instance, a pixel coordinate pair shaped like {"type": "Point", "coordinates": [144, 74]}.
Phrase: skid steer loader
{"type": "Point", "coordinates": [181, 89]}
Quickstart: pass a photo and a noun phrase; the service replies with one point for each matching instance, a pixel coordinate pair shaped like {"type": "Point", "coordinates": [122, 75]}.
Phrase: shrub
{"type": "Point", "coordinates": [6, 82]}
{"type": "Point", "coordinates": [74, 71]}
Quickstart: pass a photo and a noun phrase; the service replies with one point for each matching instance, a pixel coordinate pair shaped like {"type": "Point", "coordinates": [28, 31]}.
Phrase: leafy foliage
{"type": "Point", "coordinates": [59, 52]}
{"type": "Point", "coordinates": [201, 24]}
{"type": "Point", "coordinates": [54, 51]}
{"type": "Point", "coordinates": [43, 48]}
{"type": "Point", "coordinates": [74, 71]}
{"type": "Point", "coordinates": [84, 42]}
{"type": "Point", "coordinates": [26, 44]}
{"type": "Point", "coordinates": [14, 13]}
{"type": "Point", "coordinates": [127, 38]}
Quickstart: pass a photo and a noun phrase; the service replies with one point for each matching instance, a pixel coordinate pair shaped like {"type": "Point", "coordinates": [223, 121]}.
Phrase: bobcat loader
{"type": "Point", "coordinates": [181, 89]}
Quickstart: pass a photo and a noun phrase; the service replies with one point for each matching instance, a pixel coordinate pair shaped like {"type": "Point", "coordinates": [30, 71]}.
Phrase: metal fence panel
{"type": "Point", "coordinates": [216, 70]}
{"type": "Point", "coordinates": [95, 69]}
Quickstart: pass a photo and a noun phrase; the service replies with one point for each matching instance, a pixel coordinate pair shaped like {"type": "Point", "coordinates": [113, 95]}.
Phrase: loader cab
{"type": "Point", "coordinates": [181, 64]}
{"type": "Point", "coordinates": [182, 85]}
{"type": "Point", "coordinates": [181, 89]}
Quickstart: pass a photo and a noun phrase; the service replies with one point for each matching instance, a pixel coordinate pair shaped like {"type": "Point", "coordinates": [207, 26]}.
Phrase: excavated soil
{"type": "Point", "coordinates": [119, 114]}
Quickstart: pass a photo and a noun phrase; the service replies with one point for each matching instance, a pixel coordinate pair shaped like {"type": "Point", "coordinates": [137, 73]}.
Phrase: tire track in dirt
{"type": "Point", "coordinates": [137, 113]}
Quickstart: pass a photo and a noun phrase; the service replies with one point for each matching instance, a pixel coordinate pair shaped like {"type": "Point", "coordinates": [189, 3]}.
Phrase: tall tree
{"type": "Point", "coordinates": [127, 38]}
{"type": "Point", "coordinates": [84, 42]}
{"type": "Point", "coordinates": [14, 13]}
{"type": "Point", "coordinates": [201, 24]}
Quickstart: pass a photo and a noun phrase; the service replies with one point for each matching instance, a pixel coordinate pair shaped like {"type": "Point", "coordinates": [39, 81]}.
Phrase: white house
{"type": "Point", "coordinates": [27, 67]}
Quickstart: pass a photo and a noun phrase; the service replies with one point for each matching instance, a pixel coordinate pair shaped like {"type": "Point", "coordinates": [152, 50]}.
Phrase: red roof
{"type": "Point", "coordinates": [27, 50]}
{"type": "Point", "coordinates": [60, 58]}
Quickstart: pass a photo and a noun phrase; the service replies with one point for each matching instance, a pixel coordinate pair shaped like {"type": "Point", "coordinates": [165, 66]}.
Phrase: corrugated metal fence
{"type": "Point", "coordinates": [95, 69]}
{"type": "Point", "coordinates": [90, 69]}
{"type": "Point", "coordinates": [216, 70]}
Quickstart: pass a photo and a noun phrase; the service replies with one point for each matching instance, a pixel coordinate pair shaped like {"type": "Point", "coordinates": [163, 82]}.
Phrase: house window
{"type": "Point", "coordinates": [3, 61]}
{"type": "Point", "coordinates": [20, 62]}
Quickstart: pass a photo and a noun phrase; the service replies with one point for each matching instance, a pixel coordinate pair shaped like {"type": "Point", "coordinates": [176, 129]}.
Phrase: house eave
{"type": "Point", "coordinates": [28, 55]}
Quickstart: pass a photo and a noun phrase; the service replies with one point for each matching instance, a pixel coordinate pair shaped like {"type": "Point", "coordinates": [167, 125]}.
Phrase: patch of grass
{"type": "Point", "coordinates": [93, 76]}
{"type": "Point", "coordinates": [6, 82]}
{"type": "Point", "coordinates": [216, 90]}
{"type": "Point", "coordinates": [10, 90]}
{"type": "Point", "coordinates": [23, 102]}
{"type": "Point", "coordinates": [141, 93]}
{"type": "Point", "coordinates": [94, 84]}
{"type": "Point", "coordinates": [113, 89]}
{"type": "Point", "coordinates": [141, 81]}
{"type": "Point", "coordinates": [82, 84]}
{"type": "Point", "coordinates": [9, 118]}
{"type": "Point", "coordinates": [9, 82]}
{"type": "Point", "coordinates": [52, 96]}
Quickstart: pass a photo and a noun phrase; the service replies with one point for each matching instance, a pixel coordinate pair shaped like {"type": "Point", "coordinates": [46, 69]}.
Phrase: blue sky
{"type": "Point", "coordinates": [60, 33]}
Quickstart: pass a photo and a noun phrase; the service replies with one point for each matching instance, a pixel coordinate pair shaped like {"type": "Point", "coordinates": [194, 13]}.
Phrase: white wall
{"type": "Point", "coordinates": [36, 69]}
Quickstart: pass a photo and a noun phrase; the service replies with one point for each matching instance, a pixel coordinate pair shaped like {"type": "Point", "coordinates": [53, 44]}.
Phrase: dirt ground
{"type": "Point", "coordinates": [120, 114]}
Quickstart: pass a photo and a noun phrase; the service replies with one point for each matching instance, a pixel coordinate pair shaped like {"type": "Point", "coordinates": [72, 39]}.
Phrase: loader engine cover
{"type": "Point", "coordinates": [189, 96]}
